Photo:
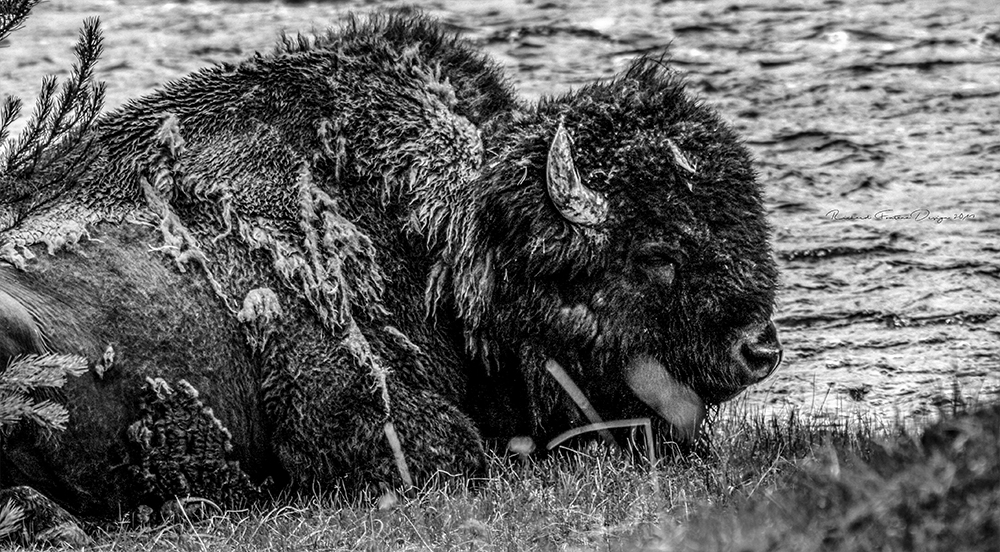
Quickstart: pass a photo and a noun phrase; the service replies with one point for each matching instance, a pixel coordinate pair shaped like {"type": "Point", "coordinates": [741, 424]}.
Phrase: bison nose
{"type": "Point", "coordinates": [761, 351]}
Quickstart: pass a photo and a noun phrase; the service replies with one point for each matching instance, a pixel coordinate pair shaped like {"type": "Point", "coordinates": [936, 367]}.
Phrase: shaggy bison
{"type": "Point", "coordinates": [349, 261]}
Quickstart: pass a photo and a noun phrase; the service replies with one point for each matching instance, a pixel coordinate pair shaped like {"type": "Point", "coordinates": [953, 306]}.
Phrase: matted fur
{"type": "Point", "coordinates": [377, 198]}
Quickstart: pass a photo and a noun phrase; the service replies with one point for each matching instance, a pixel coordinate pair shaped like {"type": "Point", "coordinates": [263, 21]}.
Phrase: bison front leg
{"type": "Point", "coordinates": [335, 418]}
{"type": "Point", "coordinates": [347, 444]}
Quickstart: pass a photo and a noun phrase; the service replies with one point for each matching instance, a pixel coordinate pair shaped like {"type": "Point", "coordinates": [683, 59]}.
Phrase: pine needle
{"type": "Point", "coordinates": [9, 112]}
{"type": "Point", "coordinates": [13, 405]}
{"type": "Point", "coordinates": [12, 15]}
{"type": "Point", "coordinates": [56, 146]}
{"type": "Point", "coordinates": [11, 516]}
{"type": "Point", "coordinates": [63, 113]}
{"type": "Point", "coordinates": [29, 373]}
{"type": "Point", "coordinates": [48, 415]}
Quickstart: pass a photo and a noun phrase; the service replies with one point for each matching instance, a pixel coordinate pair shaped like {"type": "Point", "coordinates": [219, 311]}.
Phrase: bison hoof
{"type": "Point", "coordinates": [29, 518]}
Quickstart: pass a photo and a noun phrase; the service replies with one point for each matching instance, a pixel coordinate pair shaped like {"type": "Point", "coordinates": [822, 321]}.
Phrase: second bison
{"type": "Point", "coordinates": [352, 258]}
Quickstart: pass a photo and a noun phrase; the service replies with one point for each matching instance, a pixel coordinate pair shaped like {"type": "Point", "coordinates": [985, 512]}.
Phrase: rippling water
{"type": "Point", "coordinates": [875, 127]}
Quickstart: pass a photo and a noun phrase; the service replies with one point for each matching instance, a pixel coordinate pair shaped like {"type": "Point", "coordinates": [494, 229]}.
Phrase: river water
{"type": "Point", "coordinates": [875, 125]}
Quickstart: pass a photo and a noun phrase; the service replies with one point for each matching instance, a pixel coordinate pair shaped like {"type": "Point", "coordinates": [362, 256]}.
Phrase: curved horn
{"type": "Point", "coordinates": [576, 202]}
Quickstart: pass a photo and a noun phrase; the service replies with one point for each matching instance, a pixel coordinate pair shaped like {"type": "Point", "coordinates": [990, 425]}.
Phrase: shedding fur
{"type": "Point", "coordinates": [162, 182]}
{"type": "Point", "coordinates": [262, 314]}
{"type": "Point", "coordinates": [334, 264]}
{"type": "Point", "coordinates": [377, 195]}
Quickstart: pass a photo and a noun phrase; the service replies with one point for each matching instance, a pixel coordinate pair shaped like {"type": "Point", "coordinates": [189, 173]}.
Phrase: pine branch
{"type": "Point", "coordinates": [57, 146]}
{"type": "Point", "coordinates": [63, 117]}
{"type": "Point", "coordinates": [12, 15]}
{"type": "Point", "coordinates": [10, 111]}
{"type": "Point", "coordinates": [14, 158]}
{"type": "Point", "coordinates": [11, 516]}
{"type": "Point", "coordinates": [28, 372]}
{"type": "Point", "coordinates": [13, 405]}
{"type": "Point", "coordinates": [75, 100]}
{"type": "Point", "coordinates": [48, 415]}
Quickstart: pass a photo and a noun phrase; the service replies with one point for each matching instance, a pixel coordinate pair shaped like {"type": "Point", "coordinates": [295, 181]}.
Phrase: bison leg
{"type": "Point", "coordinates": [330, 419]}
{"type": "Point", "coordinates": [344, 441]}
{"type": "Point", "coordinates": [182, 450]}
{"type": "Point", "coordinates": [29, 517]}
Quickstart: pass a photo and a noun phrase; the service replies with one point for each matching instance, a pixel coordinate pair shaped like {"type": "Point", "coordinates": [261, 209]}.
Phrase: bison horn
{"type": "Point", "coordinates": [575, 202]}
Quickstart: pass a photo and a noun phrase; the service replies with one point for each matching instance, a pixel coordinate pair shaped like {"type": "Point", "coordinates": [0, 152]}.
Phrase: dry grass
{"type": "Point", "coordinates": [766, 483]}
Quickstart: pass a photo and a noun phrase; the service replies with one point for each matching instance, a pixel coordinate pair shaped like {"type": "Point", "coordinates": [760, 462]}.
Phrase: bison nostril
{"type": "Point", "coordinates": [761, 360]}
{"type": "Point", "coordinates": [762, 352]}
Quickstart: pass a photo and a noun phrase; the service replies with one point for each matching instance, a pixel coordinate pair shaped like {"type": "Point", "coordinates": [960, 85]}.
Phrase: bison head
{"type": "Point", "coordinates": [620, 231]}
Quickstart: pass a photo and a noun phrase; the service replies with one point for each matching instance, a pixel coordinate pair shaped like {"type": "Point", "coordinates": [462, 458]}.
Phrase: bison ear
{"type": "Point", "coordinates": [575, 202]}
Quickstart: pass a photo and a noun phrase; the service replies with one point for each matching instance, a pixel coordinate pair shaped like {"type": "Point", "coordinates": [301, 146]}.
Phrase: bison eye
{"type": "Point", "coordinates": [659, 260]}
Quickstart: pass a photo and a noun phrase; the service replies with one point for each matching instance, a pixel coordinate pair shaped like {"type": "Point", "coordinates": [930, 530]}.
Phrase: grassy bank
{"type": "Point", "coordinates": [764, 484]}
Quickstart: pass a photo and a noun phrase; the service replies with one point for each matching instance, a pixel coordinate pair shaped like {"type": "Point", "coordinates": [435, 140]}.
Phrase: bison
{"type": "Point", "coordinates": [348, 261]}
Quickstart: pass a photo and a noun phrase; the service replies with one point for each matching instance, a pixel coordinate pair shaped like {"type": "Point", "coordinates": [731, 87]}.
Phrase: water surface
{"type": "Point", "coordinates": [875, 126]}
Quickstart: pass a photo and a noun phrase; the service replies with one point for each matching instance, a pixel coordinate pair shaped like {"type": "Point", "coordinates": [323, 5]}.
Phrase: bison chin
{"type": "Point", "coordinates": [674, 401]}
{"type": "Point", "coordinates": [754, 356]}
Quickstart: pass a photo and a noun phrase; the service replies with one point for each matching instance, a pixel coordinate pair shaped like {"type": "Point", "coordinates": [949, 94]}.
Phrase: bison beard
{"type": "Point", "coordinates": [410, 244]}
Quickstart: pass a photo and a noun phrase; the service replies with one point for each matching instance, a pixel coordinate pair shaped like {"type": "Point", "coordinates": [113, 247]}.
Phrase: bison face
{"type": "Point", "coordinates": [626, 238]}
